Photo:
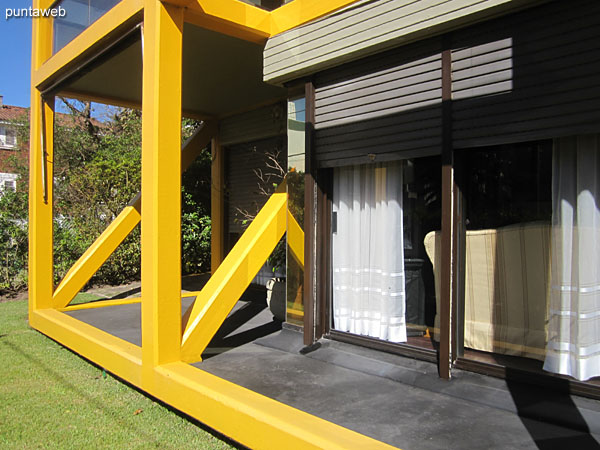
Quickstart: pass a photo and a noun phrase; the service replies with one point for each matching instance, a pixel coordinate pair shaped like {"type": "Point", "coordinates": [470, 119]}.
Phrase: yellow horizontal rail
{"type": "Point", "coordinates": [246, 416]}
{"type": "Point", "coordinates": [234, 275]}
{"type": "Point", "coordinates": [112, 353]}
{"type": "Point", "coordinates": [252, 419]}
{"type": "Point", "coordinates": [102, 303]}
{"type": "Point", "coordinates": [93, 258]}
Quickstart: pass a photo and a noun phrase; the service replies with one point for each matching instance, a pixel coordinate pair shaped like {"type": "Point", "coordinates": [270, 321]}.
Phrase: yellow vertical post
{"type": "Point", "coordinates": [161, 186]}
{"type": "Point", "coordinates": [217, 206]}
{"type": "Point", "coordinates": [40, 175]}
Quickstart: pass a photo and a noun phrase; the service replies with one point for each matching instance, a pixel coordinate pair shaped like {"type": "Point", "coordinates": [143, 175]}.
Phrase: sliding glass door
{"type": "Point", "coordinates": [382, 280]}
{"type": "Point", "coordinates": [532, 255]}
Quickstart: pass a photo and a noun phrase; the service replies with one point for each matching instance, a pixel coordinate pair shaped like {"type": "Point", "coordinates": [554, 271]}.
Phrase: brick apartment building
{"type": "Point", "coordinates": [10, 145]}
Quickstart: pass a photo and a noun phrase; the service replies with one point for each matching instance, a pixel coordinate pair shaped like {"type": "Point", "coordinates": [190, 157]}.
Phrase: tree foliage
{"type": "Point", "coordinates": [97, 171]}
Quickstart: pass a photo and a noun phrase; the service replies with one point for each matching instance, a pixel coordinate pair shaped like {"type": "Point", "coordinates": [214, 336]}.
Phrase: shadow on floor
{"type": "Point", "coordinates": [189, 283]}
{"type": "Point", "coordinates": [538, 406]}
{"type": "Point", "coordinates": [240, 319]}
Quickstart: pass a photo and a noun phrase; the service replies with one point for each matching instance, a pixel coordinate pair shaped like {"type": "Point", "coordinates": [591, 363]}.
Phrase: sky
{"type": "Point", "coordinates": [15, 73]}
{"type": "Point", "coordinates": [15, 48]}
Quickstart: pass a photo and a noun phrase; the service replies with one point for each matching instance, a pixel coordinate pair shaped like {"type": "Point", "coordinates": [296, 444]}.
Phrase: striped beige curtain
{"type": "Point", "coordinates": [574, 312]}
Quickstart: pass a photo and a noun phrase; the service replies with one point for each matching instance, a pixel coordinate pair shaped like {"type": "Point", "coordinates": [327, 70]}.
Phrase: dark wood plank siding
{"type": "Point", "coordinates": [388, 105]}
{"type": "Point", "coordinates": [531, 75]}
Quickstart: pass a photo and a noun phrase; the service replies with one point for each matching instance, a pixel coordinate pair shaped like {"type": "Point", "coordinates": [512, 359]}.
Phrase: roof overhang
{"type": "Point", "coordinates": [221, 75]}
{"type": "Point", "coordinates": [223, 44]}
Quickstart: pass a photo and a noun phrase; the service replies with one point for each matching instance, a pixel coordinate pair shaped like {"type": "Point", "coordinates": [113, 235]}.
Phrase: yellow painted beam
{"type": "Point", "coordinates": [107, 100]}
{"type": "Point", "coordinates": [115, 101]}
{"type": "Point", "coordinates": [251, 23]}
{"type": "Point", "coordinates": [105, 245]}
{"type": "Point", "coordinates": [102, 304]}
{"type": "Point", "coordinates": [239, 413]}
{"type": "Point", "coordinates": [217, 205]}
{"type": "Point", "coordinates": [41, 118]}
{"type": "Point", "coordinates": [198, 18]}
{"type": "Point", "coordinates": [45, 4]}
{"type": "Point", "coordinates": [91, 38]}
{"type": "Point", "coordinates": [299, 12]}
{"type": "Point", "coordinates": [229, 16]}
{"type": "Point", "coordinates": [93, 258]}
{"type": "Point", "coordinates": [295, 239]}
{"type": "Point", "coordinates": [197, 142]}
{"type": "Point", "coordinates": [115, 355]}
{"type": "Point", "coordinates": [252, 419]}
{"type": "Point", "coordinates": [116, 302]}
{"type": "Point", "coordinates": [234, 275]}
{"type": "Point", "coordinates": [161, 185]}
{"type": "Point", "coordinates": [297, 313]}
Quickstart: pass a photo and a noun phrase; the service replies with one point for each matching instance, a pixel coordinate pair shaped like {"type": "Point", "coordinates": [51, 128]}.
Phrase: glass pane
{"type": "Point", "coordinates": [383, 284]}
{"type": "Point", "coordinates": [507, 258]}
{"type": "Point", "coordinates": [422, 219]}
{"type": "Point", "coordinates": [80, 14]}
{"type": "Point", "coordinates": [99, 7]}
{"type": "Point", "coordinates": [295, 186]}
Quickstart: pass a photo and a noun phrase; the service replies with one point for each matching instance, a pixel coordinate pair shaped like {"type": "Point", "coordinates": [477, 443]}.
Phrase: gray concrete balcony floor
{"type": "Point", "coordinates": [395, 399]}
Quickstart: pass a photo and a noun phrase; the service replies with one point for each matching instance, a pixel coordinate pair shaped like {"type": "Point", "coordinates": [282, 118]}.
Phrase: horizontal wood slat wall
{"type": "Point", "coordinates": [534, 74]}
{"type": "Point", "coordinates": [385, 105]}
{"type": "Point", "coordinates": [368, 27]}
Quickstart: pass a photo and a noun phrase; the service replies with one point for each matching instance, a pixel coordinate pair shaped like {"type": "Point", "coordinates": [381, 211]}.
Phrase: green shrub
{"type": "Point", "coordinates": [97, 171]}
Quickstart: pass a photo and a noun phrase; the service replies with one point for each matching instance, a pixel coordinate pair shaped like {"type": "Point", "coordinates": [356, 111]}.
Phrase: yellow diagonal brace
{"type": "Point", "coordinates": [234, 275]}
{"type": "Point", "coordinates": [93, 258]}
{"type": "Point", "coordinates": [295, 239]}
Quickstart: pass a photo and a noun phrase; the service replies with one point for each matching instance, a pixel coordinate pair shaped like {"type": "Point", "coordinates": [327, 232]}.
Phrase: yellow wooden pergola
{"type": "Point", "coordinates": [161, 366]}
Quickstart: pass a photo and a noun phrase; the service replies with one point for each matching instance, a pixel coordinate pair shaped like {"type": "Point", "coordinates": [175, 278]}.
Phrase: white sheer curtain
{"type": "Point", "coordinates": [574, 313]}
{"type": "Point", "coordinates": [368, 252]}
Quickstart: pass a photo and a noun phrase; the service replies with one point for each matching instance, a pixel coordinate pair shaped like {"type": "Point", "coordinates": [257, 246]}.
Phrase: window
{"type": "Point", "coordinates": [80, 14]}
{"type": "Point", "coordinates": [8, 137]}
{"type": "Point", "coordinates": [10, 185]}
{"type": "Point", "coordinates": [508, 213]}
{"type": "Point", "coordinates": [8, 182]}
{"type": "Point", "coordinates": [296, 118]}
{"type": "Point", "coordinates": [382, 217]}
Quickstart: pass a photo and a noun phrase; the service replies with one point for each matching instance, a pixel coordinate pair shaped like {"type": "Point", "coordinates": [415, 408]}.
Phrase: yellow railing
{"type": "Point", "coordinates": [225, 287]}
{"type": "Point", "coordinates": [105, 245]}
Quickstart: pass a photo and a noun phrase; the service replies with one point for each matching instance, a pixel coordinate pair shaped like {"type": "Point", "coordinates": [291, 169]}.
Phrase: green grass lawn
{"type": "Point", "coordinates": [52, 398]}
{"type": "Point", "coordinates": [84, 297]}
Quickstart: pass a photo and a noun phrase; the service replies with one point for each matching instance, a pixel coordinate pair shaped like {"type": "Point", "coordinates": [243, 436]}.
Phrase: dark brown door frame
{"type": "Point", "coordinates": [317, 277]}
{"type": "Point", "coordinates": [324, 282]}
{"type": "Point", "coordinates": [310, 256]}
{"type": "Point", "coordinates": [458, 257]}
{"type": "Point", "coordinates": [317, 241]}
{"type": "Point", "coordinates": [323, 257]}
{"type": "Point", "coordinates": [317, 244]}
{"type": "Point", "coordinates": [447, 259]}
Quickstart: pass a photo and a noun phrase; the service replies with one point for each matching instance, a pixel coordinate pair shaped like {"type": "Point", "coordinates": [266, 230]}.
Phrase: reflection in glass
{"type": "Point", "coordinates": [382, 279]}
{"type": "Point", "coordinates": [295, 186]}
{"type": "Point", "coordinates": [507, 261]}
{"type": "Point", "coordinates": [80, 14]}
